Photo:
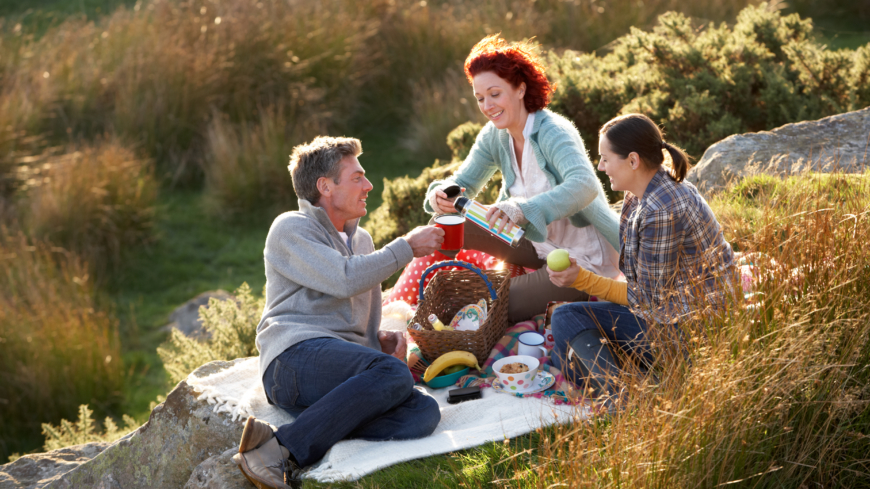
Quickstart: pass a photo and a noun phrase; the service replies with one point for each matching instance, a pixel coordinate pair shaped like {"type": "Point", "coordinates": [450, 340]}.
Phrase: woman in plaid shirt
{"type": "Point", "coordinates": [676, 262]}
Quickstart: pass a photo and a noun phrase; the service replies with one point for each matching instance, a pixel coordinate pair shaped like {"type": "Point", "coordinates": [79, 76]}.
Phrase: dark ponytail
{"type": "Point", "coordinates": [637, 133]}
{"type": "Point", "coordinates": [679, 162]}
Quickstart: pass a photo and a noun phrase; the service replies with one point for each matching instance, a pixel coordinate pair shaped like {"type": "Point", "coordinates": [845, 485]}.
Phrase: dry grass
{"type": "Point", "coordinates": [60, 349]}
{"type": "Point", "coordinates": [95, 201]}
{"type": "Point", "coordinates": [438, 109]}
{"type": "Point", "coordinates": [159, 74]}
{"type": "Point", "coordinates": [774, 394]}
{"type": "Point", "coordinates": [246, 164]}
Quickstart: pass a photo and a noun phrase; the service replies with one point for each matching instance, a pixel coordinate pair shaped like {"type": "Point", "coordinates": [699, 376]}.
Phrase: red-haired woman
{"type": "Point", "coordinates": [549, 185]}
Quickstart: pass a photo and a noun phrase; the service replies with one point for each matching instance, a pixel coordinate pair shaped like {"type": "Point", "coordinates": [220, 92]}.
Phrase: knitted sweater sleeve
{"type": "Point", "coordinates": [299, 253]}
{"type": "Point", "coordinates": [477, 169]}
{"type": "Point", "coordinates": [563, 149]}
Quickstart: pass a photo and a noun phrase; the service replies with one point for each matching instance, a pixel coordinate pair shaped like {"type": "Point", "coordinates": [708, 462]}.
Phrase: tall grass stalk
{"type": "Point", "coordinates": [771, 394]}
{"type": "Point", "coordinates": [95, 201]}
{"type": "Point", "coordinates": [246, 164]}
{"type": "Point", "coordinates": [154, 74]}
{"type": "Point", "coordinates": [438, 109]}
{"type": "Point", "coordinates": [59, 347]}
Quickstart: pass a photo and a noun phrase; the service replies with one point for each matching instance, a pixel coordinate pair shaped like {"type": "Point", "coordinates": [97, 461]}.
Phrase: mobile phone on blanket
{"type": "Point", "coordinates": [465, 394]}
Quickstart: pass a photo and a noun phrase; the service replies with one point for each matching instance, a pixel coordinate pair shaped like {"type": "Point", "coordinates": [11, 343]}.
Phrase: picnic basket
{"type": "Point", "coordinates": [450, 291]}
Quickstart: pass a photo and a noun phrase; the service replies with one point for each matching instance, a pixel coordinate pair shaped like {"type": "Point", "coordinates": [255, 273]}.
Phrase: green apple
{"type": "Point", "coordinates": [451, 370]}
{"type": "Point", "coordinates": [558, 260]}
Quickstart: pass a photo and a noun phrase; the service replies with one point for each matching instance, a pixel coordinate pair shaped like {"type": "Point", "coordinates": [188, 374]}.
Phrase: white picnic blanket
{"type": "Point", "coordinates": [497, 416]}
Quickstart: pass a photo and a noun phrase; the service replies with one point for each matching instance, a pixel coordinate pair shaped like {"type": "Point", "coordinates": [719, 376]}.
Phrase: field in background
{"type": "Point", "coordinates": [198, 89]}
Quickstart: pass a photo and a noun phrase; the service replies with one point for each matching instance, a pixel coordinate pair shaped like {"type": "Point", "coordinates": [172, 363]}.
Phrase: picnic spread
{"type": "Point", "coordinates": [508, 404]}
{"type": "Point", "coordinates": [496, 416]}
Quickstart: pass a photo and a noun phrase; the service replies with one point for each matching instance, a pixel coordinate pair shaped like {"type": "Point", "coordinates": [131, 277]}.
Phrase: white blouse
{"type": "Point", "coordinates": [586, 244]}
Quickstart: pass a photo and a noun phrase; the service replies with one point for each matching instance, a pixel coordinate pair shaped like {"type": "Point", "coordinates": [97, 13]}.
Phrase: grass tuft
{"type": "Point", "coordinates": [95, 201]}
{"type": "Point", "coordinates": [60, 346]}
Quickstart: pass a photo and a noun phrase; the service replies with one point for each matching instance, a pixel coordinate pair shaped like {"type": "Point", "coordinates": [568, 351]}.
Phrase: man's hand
{"type": "Point", "coordinates": [442, 204]}
{"type": "Point", "coordinates": [393, 343]}
{"type": "Point", "coordinates": [566, 277]}
{"type": "Point", "coordinates": [425, 240]}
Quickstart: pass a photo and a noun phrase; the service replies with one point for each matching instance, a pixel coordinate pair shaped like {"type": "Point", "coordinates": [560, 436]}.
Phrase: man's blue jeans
{"type": "Point", "coordinates": [338, 390]}
{"type": "Point", "coordinates": [616, 322]}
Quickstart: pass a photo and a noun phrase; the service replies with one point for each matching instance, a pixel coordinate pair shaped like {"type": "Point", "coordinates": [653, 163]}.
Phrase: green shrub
{"type": "Point", "coordinates": [704, 84]}
{"type": "Point", "coordinates": [231, 331]}
{"type": "Point", "coordinates": [402, 207]}
{"type": "Point", "coordinates": [84, 430]}
{"type": "Point", "coordinates": [461, 139]}
{"type": "Point", "coordinates": [95, 202]}
{"type": "Point", "coordinates": [59, 346]}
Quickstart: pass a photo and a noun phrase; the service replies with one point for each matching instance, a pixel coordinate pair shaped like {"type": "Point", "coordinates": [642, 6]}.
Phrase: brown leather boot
{"type": "Point", "coordinates": [255, 434]}
{"type": "Point", "coordinates": [266, 466]}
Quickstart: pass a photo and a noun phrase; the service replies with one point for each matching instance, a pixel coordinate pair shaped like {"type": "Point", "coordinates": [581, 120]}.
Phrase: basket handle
{"type": "Point", "coordinates": [457, 263]}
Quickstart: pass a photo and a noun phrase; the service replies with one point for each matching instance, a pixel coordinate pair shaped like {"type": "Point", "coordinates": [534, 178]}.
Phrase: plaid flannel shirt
{"type": "Point", "coordinates": [673, 254]}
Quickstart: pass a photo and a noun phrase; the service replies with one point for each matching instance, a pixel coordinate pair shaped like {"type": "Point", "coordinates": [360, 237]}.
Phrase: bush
{"type": "Point", "coordinates": [95, 201]}
{"type": "Point", "coordinates": [230, 328]}
{"type": "Point", "coordinates": [60, 348]}
{"type": "Point", "coordinates": [461, 139]}
{"type": "Point", "coordinates": [704, 84]}
{"type": "Point", "coordinates": [84, 430]}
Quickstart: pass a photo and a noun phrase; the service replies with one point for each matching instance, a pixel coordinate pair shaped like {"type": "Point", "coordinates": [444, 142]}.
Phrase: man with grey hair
{"type": "Point", "coordinates": [322, 358]}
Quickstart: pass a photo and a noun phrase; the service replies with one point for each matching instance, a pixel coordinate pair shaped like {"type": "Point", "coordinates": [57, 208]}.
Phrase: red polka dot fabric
{"type": "Point", "coordinates": [408, 286]}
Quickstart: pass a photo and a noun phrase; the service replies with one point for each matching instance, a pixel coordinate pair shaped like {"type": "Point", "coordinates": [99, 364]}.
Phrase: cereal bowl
{"type": "Point", "coordinates": [516, 381]}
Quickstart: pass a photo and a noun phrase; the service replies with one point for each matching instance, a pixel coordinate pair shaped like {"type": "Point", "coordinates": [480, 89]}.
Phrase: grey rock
{"type": "Point", "coordinates": [218, 472]}
{"type": "Point", "coordinates": [837, 143]}
{"type": "Point", "coordinates": [185, 317]}
{"type": "Point", "coordinates": [181, 433]}
{"type": "Point", "coordinates": [39, 469]}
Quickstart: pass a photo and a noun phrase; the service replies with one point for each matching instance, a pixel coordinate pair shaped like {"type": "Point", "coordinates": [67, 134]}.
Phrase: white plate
{"type": "Point", "coordinates": [542, 381]}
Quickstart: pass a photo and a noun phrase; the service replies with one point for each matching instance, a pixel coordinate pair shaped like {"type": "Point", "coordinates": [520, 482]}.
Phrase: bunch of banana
{"type": "Point", "coordinates": [450, 359]}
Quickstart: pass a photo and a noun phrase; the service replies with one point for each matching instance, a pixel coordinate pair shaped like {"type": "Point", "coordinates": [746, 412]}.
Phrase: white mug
{"type": "Point", "coordinates": [532, 344]}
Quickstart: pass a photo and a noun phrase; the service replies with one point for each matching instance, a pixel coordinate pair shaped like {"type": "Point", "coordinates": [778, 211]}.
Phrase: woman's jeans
{"type": "Point", "coordinates": [616, 322]}
{"type": "Point", "coordinates": [338, 390]}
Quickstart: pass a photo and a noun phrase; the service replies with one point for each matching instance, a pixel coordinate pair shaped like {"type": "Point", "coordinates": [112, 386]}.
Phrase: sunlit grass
{"type": "Point", "coordinates": [95, 201]}
{"type": "Point", "coordinates": [59, 342]}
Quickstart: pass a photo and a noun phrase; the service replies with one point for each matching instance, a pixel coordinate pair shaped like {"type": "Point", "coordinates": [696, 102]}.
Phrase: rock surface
{"type": "Point", "coordinates": [185, 317]}
{"type": "Point", "coordinates": [840, 142]}
{"type": "Point", "coordinates": [38, 469]}
{"type": "Point", "coordinates": [180, 434]}
{"type": "Point", "coordinates": [218, 472]}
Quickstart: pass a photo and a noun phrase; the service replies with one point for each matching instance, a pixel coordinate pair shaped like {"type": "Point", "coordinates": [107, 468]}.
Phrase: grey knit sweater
{"type": "Point", "coordinates": [318, 287]}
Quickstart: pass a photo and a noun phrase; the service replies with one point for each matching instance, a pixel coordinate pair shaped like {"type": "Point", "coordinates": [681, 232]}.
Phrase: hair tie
{"type": "Point", "coordinates": [664, 145]}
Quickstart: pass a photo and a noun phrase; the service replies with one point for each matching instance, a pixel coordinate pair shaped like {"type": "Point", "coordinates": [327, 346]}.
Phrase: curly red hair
{"type": "Point", "coordinates": [515, 64]}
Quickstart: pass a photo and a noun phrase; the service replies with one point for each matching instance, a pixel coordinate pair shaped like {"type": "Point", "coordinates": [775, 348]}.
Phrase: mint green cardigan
{"type": "Point", "coordinates": [575, 190]}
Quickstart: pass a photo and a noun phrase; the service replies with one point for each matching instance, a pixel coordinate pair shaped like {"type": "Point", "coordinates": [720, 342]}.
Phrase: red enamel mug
{"type": "Point", "coordinates": [454, 231]}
